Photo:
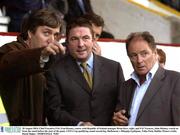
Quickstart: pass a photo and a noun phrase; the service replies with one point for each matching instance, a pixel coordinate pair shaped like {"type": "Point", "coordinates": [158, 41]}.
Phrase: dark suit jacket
{"type": "Point", "coordinates": [161, 103]}
{"type": "Point", "coordinates": [69, 99]}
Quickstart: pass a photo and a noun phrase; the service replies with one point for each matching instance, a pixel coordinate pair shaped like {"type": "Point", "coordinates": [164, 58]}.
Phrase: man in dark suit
{"type": "Point", "coordinates": [152, 96]}
{"type": "Point", "coordinates": [70, 100]}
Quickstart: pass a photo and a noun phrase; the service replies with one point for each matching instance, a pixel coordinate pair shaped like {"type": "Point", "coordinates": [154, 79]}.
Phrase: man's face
{"type": "Point", "coordinates": [97, 31]}
{"type": "Point", "coordinates": [80, 43]}
{"type": "Point", "coordinates": [43, 36]}
{"type": "Point", "coordinates": [142, 56]}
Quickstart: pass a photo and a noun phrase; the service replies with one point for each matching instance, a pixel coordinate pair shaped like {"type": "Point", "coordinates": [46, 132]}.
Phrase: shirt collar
{"type": "Point", "coordinates": [149, 75]}
{"type": "Point", "coordinates": [89, 61]}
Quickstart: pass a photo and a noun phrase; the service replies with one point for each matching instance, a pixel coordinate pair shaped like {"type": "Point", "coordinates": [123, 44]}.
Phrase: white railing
{"type": "Point", "coordinates": [115, 50]}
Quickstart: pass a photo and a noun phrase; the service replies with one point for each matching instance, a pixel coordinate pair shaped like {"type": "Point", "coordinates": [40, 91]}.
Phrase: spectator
{"type": "Point", "coordinates": [161, 57]}
{"type": "Point", "coordinates": [70, 9]}
{"type": "Point", "coordinates": [22, 66]}
{"type": "Point", "coordinates": [77, 8]}
{"type": "Point", "coordinates": [16, 9]}
{"type": "Point", "coordinates": [152, 96]}
{"type": "Point", "coordinates": [97, 26]}
{"type": "Point", "coordinates": [106, 34]}
{"type": "Point", "coordinates": [73, 9]}
{"type": "Point", "coordinates": [72, 100]}
{"type": "Point", "coordinates": [61, 7]}
{"type": "Point", "coordinates": [172, 3]}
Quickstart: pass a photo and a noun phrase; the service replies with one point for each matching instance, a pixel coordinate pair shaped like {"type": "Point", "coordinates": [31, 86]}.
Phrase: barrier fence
{"type": "Point", "coordinates": [115, 50]}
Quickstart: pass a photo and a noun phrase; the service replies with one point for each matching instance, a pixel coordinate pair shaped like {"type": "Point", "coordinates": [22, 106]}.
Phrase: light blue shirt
{"type": "Point", "coordinates": [139, 93]}
{"type": "Point", "coordinates": [89, 64]}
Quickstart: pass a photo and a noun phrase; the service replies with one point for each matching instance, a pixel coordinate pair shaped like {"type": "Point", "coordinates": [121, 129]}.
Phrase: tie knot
{"type": "Point", "coordinates": [84, 65]}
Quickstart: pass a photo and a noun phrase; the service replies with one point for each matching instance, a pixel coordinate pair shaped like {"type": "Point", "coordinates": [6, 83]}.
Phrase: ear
{"type": "Point", "coordinates": [29, 34]}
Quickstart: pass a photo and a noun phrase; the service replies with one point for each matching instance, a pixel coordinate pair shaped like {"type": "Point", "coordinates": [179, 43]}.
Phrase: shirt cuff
{"type": "Point", "coordinates": [43, 60]}
{"type": "Point", "coordinates": [80, 123]}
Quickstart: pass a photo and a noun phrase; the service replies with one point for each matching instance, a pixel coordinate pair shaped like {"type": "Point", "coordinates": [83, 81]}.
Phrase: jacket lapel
{"type": "Point", "coordinates": [97, 73]}
{"type": "Point", "coordinates": [153, 88]}
{"type": "Point", "coordinates": [130, 89]}
{"type": "Point", "coordinates": [75, 73]}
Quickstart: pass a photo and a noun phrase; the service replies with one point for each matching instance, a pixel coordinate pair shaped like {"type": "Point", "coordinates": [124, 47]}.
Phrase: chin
{"type": "Point", "coordinates": [82, 56]}
{"type": "Point", "coordinates": [81, 59]}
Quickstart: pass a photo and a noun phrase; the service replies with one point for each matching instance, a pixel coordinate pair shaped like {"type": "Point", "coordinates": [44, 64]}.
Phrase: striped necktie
{"type": "Point", "coordinates": [3, 117]}
{"type": "Point", "coordinates": [86, 74]}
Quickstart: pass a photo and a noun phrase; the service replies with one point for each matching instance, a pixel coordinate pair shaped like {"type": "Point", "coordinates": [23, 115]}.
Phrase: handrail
{"type": "Point", "coordinates": [101, 40]}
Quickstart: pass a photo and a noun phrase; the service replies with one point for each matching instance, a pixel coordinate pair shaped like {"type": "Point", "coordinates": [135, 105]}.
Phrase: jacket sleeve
{"type": "Point", "coordinates": [15, 63]}
{"type": "Point", "coordinates": [176, 103]}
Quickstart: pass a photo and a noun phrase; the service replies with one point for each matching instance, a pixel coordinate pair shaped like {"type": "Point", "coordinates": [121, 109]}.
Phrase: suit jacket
{"type": "Point", "coordinates": [75, 11]}
{"type": "Point", "coordinates": [161, 103]}
{"type": "Point", "coordinates": [69, 99]}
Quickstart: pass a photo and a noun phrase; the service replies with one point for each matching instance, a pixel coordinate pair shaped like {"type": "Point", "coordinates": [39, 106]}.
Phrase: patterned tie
{"type": "Point", "coordinates": [86, 74]}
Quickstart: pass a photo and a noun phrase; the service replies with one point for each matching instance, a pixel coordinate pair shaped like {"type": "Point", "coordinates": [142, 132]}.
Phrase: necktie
{"type": "Point", "coordinates": [86, 74]}
{"type": "Point", "coordinates": [81, 5]}
{"type": "Point", "coordinates": [3, 117]}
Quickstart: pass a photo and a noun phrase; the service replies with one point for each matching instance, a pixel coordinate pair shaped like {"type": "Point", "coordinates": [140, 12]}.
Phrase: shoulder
{"type": "Point", "coordinates": [172, 74]}
{"type": "Point", "coordinates": [105, 60]}
{"type": "Point", "coordinates": [129, 82]}
{"type": "Point", "coordinates": [61, 61]}
{"type": "Point", "coordinates": [11, 46]}
{"type": "Point", "coordinates": [13, 43]}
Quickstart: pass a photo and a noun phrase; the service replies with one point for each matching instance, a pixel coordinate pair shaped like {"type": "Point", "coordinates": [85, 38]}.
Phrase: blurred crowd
{"type": "Point", "coordinates": [68, 10]}
{"type": "Point", "coordinates": [172, 3]}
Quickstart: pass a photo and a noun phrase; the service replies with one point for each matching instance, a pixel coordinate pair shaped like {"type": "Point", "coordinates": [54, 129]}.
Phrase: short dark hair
{"type": "Point", "coordinates": [95, 19]}
{"type": "Point", "coordinates": [79, 22]}
{"type": "Point", "coordinates": [146, 36]}
{"type": "Point", "coordinates": [42, 17]}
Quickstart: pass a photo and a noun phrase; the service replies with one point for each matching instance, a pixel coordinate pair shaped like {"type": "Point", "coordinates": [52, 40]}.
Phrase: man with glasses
{"type": "Point", "coordinates": [152, 96]}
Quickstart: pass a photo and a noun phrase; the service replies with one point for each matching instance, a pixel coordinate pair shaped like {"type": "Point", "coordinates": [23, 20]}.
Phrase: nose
{"type": "Point", "coordinates": [139, 58]}
{"type": "Point", "coordinates": [51, 39]}
{"type": "Point", "coordinates": [81, 42]}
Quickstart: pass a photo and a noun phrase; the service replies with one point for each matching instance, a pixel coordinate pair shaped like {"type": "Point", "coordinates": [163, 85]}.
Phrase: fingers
{"type": "Point", "coordinates": [96, 49]}
{"type": "Point", "coordinates": [53, 48]}
{"type": "Point", "coordinates": [61, 48]}
{"type": "Point", "coordinates": [120, 119]}
{"type": "Point", "coordinates": [121, 115]}
{"type": "Point", "coordinates": [87, 124]}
